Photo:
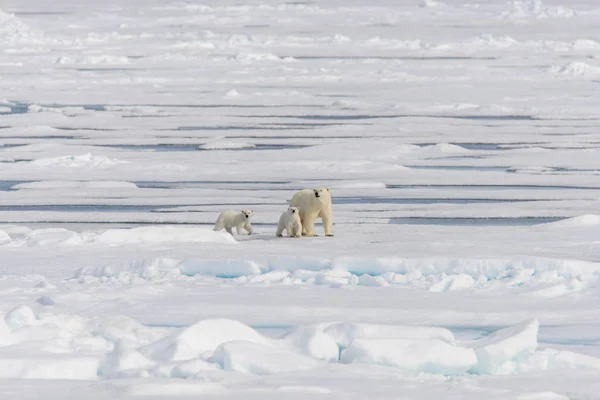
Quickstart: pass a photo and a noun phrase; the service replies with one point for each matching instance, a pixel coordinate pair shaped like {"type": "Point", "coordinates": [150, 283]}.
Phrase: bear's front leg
{"type": "Point", "coordinates": [229, 230]}
{"type": "Point", "coordinates": [296, 231]}
{"type": "Point", "coordinates": [327, 222]}
{"type": "Point", "coordinates": [308, 227]}
{"type": "Point", "coordinates": [249, 228]}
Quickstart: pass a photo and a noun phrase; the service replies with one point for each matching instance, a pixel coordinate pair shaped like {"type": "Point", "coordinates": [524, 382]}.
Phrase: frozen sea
{"type": "Point", "coordinates": [461, 145]}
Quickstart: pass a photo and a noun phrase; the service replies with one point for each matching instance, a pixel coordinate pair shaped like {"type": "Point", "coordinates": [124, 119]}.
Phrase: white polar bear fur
{"type": "Point", "coordinates": [313, 204]}
{"type": "Point", "coordinates": [234, 219]}
{"type": "Point", "coordinates": [290, 221]}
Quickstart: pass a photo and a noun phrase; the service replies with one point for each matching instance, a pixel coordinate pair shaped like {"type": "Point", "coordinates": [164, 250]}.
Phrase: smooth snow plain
{"type": "Point", "coordinates": [460, 142]}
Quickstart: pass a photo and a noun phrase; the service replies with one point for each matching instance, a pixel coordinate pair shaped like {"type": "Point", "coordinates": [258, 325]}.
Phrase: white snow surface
{"type": "Point", "coordinates": [459, 140]}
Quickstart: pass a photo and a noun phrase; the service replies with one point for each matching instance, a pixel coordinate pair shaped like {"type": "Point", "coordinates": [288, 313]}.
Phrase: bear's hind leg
{"type": "Point", "coordinates": [280, 227]}
{"type": "Point", "coordinates": [218, 224]}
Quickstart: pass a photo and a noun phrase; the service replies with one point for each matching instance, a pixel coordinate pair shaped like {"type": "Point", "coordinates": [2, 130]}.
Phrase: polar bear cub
{"type": "Point", "coordinates": [234, 219]}
{"type": "Point", "coordinates": [290, 221]}
{"type": "Point", "coordinates": [313, 204]}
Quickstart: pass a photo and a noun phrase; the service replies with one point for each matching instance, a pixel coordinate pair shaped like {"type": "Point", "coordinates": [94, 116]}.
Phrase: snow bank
{"type": "Point", "coordinates": [299, 263]}
{"type": "Point", "coordinates": [61, 346]}
{"type": "Point", "coordinates": [581, 220]}
{"type": "Point", "coordinates": [4, 238]}
{"type": "Point", "coordinates": [175, 389]}
{"type": "Point", "coordinates": [541, 396]}
{"type": "Point", "coordinates": [219, 268]}
{"type": "Point", "coordinates": [163, 234]}
{"type": "Point", "coordinates": [560, 360]}
{"type": "Point", "coordinates": [51, 237]}
{"type": "Point", "coordinates": [576, 69]}
{"type": "Point", "coordinates": [469, 272]}
{"type": "Point", "coordinates": [97, 59]}
{"type": "Point", "coordinates": [527, 9]}
{"type": "Point", "coordinates": [137, 270]}
{"type": "Point", "coordinates": [258, 359]}
{"type": "Point", "coordinates": [160, 269]}
{"type": "Point", "coordinates": [555, 360]}
{"type": "Point", "coordinates": [313, 341]}
{"type": "Point", "coordinates": [435, 275]}
{"type": "Point", "coordinates": [431, 356]}
{"type": "Point", "coordinates": [192, 368]}
{"type": "Point", "coordinates": [76, 185]}
{"type": "Point", "coordinates": [325, 341]}
{"type": "Point", "coordinates": [13, 30]}
{"type": "Point", "coordinates": [117, 328]}
{"type": "Point", "coordinates": [81, 161]}
{"type": "Point", "coordinates": [19, 317]}
{"type": "Point", "coordinates": [358, 185]}
{"type": "Point", "coordinates": [248, 58]}
{"type": "Point", "coordinates": [487, 40]}
{"type": "Point", "coordinates": [226, 145]}
{"type": "Point", "coordinates": [124, 362]}
{"type": "Point", "coordinates": [497, 352]}
{"type": "Point", "coordinates": [51, 366]}
{"type": "Point", "coordinates": [346, 333]}
{"type": "Point", "coordinates": [443, 148]}
{"type": "Point", "coordinates": [201, 340]}
{"type": "Point", "coordinates": [23, 236]}
{"type": "Point", "coordinates": [431, 4]}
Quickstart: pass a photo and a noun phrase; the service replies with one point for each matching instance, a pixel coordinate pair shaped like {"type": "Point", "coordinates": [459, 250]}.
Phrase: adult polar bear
{"type": "Point", "coordinates": [313, 204]}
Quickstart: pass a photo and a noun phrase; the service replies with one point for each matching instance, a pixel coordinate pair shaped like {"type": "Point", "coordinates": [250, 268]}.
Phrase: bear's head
{"type": "Point", "coordinates": [293, 210]}
{"type": "Point", "coordinates": [321, 192]}
{"type": "Point", "coordinates": [247, 213]}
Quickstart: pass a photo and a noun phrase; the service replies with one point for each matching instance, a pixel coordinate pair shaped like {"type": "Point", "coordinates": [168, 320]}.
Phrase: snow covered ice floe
{"type": "Point", "coordinates": [201, 340]}
{"type": "Point", "coordinates": [226, 145]}
{"type": "Point", "coordinates": [256, 359]}
{"type": "Point", "coordinates": [535, 276]}
{"type": "Point", "coordinates": [61, 185]}
{"type": "Point", "coordinates": [506, 346]}
{"type": "Point", "coordinates": [430, 356]}
{"type": "Point", "coordinates": [163, 234]}
{"type": "Point", "coordinates": [120, 347]}
{"type": "Point", "coordinates": [79, 161]}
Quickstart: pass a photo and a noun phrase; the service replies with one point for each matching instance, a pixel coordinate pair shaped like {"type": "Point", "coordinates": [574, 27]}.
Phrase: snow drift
{"type": "Point", "coordinates": [119, 347]}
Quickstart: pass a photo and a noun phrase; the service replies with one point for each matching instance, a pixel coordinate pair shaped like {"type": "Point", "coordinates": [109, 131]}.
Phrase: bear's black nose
{"type": "Point", "coordinates": [293, 211]}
